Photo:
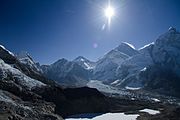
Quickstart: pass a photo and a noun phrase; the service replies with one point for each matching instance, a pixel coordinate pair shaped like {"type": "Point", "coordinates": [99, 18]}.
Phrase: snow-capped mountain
{"type": "Point", "coordinates": [12, 68]}
{"type": "Point", "coordinates": [20, 79]}
{"type": "Point", "coordinates": [23, 97]}
{"type": "Point", "coordinates": [128, 71]}
{"type": "Point", "coordinates": [26, 59]}
{"type": "Point", "coordinates": [127, 49]}
{"type": "Point", "coordinates": [123, 66]}
{"type": "Point", "coordinates": [66, 73]}
{"type": "Point", "coordinates": [166, 51]}
{"type": "Point", "coordinates": [154, 62]}
{"type": "Point", "coordinates": [24, 63]}
{"type": "Point", "coordinates": [85, 63]}
{"type": "Point", "coordinates": [105, 68]}
{"type": "Point", "coordinates": [80, 70]}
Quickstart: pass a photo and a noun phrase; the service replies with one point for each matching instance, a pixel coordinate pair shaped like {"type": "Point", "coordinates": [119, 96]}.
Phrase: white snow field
{"type": "Point", "coordinates": [109, 116]}
{"type": "Point", "coordinates": [150, 111]}
{"type": "Point", "coordinates": [116, 116]}
{"type": "Point", "coordinates": [22, 79]}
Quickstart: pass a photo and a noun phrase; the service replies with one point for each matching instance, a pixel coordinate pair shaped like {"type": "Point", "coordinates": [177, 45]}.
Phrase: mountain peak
{"type": "Point", "coordinates": [127, 49]}
{"type": "Point", "coordinates": [80, 58]}
{"type": "Point", "coordinates": [170, 37]}
{"type": "Point", "coordinates": [172, 29]}
{"type": "Point", "coordinates": [62, 60]}
{"type": "Point", "coordinates": [84, 62]}
{"type": "Point", "coordinates": [127, 45]}
{"type": "Point", "coordinates": [23, 54]}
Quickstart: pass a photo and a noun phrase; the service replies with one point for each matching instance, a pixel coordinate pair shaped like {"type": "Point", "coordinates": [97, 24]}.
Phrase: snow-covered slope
{"type": "Point", "coordinates": [26, 59]}
{"type": "Point", "coordinates": [23, 62]}
{"type": "Point", "coordinates": [105, 68]}
{"type": "Point", "coordinates": [166, 51]}
{"type": "Point", "coordinates": [102, 87]}
{"type": "Point", "coordinates": [85, 63]}
{"type": "Point", "coordinates": [127, 49]}
{"type": "Point", "coordinates": [66, 73]}
{"type": "Point", "coordinates": [153, 62]}
{"type": "Point", "coordinates": [8, 72]}
{"type": "Point", "coordinates": [130, 69]}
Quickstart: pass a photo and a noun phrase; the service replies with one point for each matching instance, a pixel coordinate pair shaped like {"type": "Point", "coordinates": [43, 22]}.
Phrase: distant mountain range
{"type": "Point", "coordinates": [30, 90]}
{"type": "Point", "coordinates": [154, 67]}
{"type": "Point", "coordinates": [25, 94]}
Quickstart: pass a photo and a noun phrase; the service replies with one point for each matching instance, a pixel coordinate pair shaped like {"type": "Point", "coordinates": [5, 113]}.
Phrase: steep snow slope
{"type": "Point", "coordinates": [26, 59]}
{"type": "Point", "coordinates": [166, 51]}
{"type": "Point", "coordinates": [85, 63]}
{"type": "Point", "coordinates": [105, 68]}
{"type": "Point", "coordinates": [66, 73]}
{"type": "Point", "coordinates": [129, 70]}
{"type": "Point", "coordinates": [24, 63]}
{"type": "Point", "coordinates": [16, 76]}
{"type": "Point", "coordinates": [152, 63]}
{"type": "Point", "coordinates": [127, 49]}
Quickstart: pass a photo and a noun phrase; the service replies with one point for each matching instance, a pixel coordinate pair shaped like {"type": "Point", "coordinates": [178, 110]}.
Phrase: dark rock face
{"type": "Point", "coordinates": [7, 56]}
{"type": "Point", "coordinates": [163, 81]}
{"type": "Point", "coordinates": [13, 108]}
{"type": "Point", "coordinates": [72, 101]}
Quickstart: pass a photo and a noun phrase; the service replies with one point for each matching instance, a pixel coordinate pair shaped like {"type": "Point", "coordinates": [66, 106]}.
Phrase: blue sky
{"type": "Point", "coordinates": [54, 29]}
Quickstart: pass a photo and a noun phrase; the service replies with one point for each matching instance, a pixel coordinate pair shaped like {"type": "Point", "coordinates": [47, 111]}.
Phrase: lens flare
{"type": "Point", "coordinates": [109, 13]}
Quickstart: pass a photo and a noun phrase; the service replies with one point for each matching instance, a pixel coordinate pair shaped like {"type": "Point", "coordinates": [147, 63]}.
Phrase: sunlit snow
{"type": "Point", "coordinates": [110, 116]}
{"type": "Point", "coordinates": [6, 50]}
{"type": "Point", "coordinates": [155, 99]}
{"type": "Point", "coordinates": [129, 45]}
{"type": "Point", "coordinates": [150, 111]}
{"type": "Point", "coordinates": [133, 88]}
{"type": "Point", "coordinates": [146, 46]}
{"type": "Point", "coordinates": [22, 79]}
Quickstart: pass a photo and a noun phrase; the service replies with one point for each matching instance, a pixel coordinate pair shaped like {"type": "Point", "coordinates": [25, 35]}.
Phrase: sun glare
{"type": "Point", "coordinates": [109, 13]}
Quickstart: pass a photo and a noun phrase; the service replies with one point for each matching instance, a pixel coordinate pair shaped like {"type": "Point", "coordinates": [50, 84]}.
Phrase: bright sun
{"type": "Point", "coordinates": [109, 13]}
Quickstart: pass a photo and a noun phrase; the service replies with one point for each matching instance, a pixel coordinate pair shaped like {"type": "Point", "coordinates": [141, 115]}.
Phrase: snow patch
{"type": "Point", "coordinates": [102, 87]}
{"type": "Point", "coordinates": [82, 60]}
{"type": "Point", "coordinates": [110, 116]}
{"type": "Point", "coordinates": [144, 69]}
{"type": "Point", "coordinates": [115, 82]}
{"type": "Point", "coordinates": [146, 46]}
{"type": "Point", "coordinates": [129, 45]}
{"type": "Point", "coordinates": [88, 66]}
{"type": "Point", "coordinates": [133, 88]}
{"type": "Point", "coordinates": [150, 111]}
{"type": "Point", "coordinates": [155, 99]}
{"type": "Point", "coordinates": [106, 88]}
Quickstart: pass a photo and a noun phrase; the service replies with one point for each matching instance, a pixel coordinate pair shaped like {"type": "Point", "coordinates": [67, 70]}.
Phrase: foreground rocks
{"type": "Point", "coordinates": [14, 108]}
